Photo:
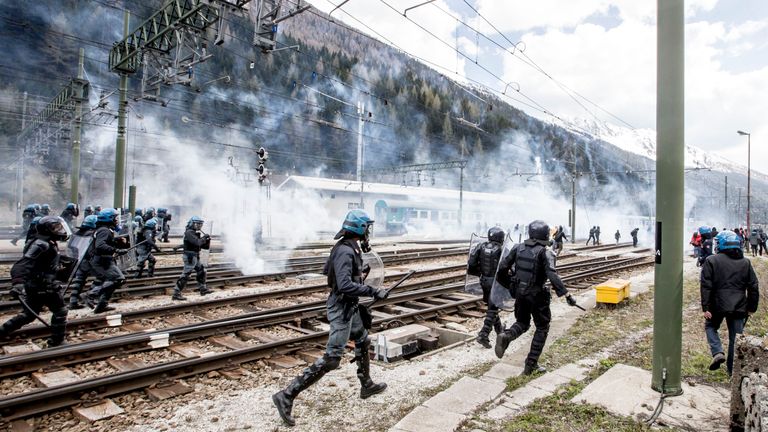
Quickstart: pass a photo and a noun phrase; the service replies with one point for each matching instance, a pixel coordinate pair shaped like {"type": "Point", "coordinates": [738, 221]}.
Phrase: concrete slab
{"type": "Point", "coordinates": [102, 410]}
{"type": "Point", "coordinates": [502, 412]}
{"type": "Point", "coordinates": [24, 425]}
{"type": "Point", "coordinates": [285, 362]}
{"type": "Point", "coordinates": [186, 350]}
{"type": "Point", "coordinates": [572, 371]}
{"type": "Point", "coordinates": [20, 349]}
{"type": "Point", "coordinates": [425, 419]}
{"type": "Point", "coordinates": [503, 371]}
{"type": "Point", "coordinates": [625, 390]}
{"type": "Point", "coordinates": [522, 397]}
{"type": "Point", "coordinates": [549, 382]}
{"type": "Point", "coordinates": [465, 395]}
{"type": "Point", "coordinates": [55, 378]}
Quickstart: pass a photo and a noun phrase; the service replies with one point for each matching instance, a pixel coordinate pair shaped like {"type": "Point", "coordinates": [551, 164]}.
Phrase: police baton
{"type": "Point", "coordinates": [135, 246]}
{"type": "Point", "coordinates": [29, 310]}
{"type": "Point", "coordinates": [397, 284]}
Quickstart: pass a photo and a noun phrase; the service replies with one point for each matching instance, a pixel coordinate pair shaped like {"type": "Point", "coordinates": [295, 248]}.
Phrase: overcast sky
{"type": "Point", "coordinates": [603, 49]}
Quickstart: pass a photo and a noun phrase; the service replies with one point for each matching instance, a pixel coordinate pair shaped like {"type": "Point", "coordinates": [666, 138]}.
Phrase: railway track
{"type": "Point", "coordinates": [233, 277]}
{"type": "Point", "coordinates": [417, 301]}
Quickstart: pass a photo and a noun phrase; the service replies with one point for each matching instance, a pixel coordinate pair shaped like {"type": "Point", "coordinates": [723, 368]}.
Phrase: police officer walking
{"type": "Point", "coordinates": [26, 219]}
{"type": "Point", "coordinates": [524, 271]}
{"type": "Point", "coordinates": [559, 237]}
{"type": "Point", "coordinates": [591, 236]}
{"type": "Point", "coordinates": [165, 228]}
{"type": "Point", "coordinates": [145, 244]}
{"type": "Point", "coordinates": [101, 256]}
{"type": "Point", "coordinates": [483, 263]}
{"type": "Point", "coordinates": [194, 240]}
{"type": "Point", "coordinates": [34, 280]}
{"type": "Point", "coordinates": [633, 233]}
{"type": "Point", "coordinates": [345, 279]}
{"type": "Point", "coordinates": [730, 292]}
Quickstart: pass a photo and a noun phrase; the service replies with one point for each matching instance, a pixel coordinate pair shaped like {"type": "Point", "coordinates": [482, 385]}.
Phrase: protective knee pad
{"type": "Point", "coordinates": [520, 328]}
{"type": "Point", "coordinates": [330, 363]}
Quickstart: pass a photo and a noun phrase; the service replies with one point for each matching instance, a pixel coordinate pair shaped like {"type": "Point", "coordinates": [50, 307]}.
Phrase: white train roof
{"type": "Point", "coordinates": [384, 190]}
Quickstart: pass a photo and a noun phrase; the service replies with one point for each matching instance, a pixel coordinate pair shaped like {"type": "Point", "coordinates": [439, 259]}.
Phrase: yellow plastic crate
{"type": "Point", "coordinates": [612, 291]}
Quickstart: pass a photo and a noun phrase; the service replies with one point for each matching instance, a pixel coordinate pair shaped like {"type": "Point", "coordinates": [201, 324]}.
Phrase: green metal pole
{"type": "Point", "coordinates": [573, 208]}
{"type": "Point", "coordinates": [75, 174]}
{"type": "Point", "coordinates": [132, 199]}
{"type": "Point", "coordinates": [121, 120]}
{"type": "Point", "coordinates": [670, 141]}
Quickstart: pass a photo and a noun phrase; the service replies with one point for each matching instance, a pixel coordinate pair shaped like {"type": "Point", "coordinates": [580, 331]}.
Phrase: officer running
{"type": "Point", "coordinates": [524, 271]}
{"type": "Point", "coordinates": [483, 263]}
{"type": "Point", "coordinates": [194, 240]}
{"type": "Point", "coordinates": [70, 213]}
{"type": "Point", "coordinates": [35, 280]}
{"type": "Point", "coordinates": [345, 278]}
{"type": "Point", "coordinates": [101, 256]}
{"type": "Point", "coordinates": [26, 219]}
{"type": "Point", "coordinates": [559, 237]}
{"type": "Point", "coordinates": [145, 244]}
{"type": "Point", "coordinates": [85, 230]}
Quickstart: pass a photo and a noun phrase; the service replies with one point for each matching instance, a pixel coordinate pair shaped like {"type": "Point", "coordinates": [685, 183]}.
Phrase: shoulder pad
{"type": "Point", "coordinates": [37, 248]}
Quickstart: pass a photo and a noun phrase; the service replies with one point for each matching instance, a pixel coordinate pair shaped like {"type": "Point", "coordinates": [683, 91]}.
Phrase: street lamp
{"type": "Point", "coordinates": [749, 174]}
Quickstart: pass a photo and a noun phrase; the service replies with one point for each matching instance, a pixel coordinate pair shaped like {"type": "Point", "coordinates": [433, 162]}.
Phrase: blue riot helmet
{"type": "Point", "coordinates": [149, 212]}
{"type": "Point", "coordinates": [45, 209]}
{"type": "Point", "coordinates": [162, 211]}
{"type": "Point", "coordinates": [359, 223]}
{"type": "Point", "coordinates": [151, 224]}
{"type": "Point", "coordinates": [38, 208]}
{"type": "Point", "coordinates": [107, 216]}
{"type": "Point", "coordinates": [139, 212]}
{"type": "Point", "coordinates": [196, 223]}
{"type": "Point", "coordinates": [35, 221]}
{"type": "Point", "coordinates": [89, 222]}
{"type": "Point", "coordinates": [706, 232]}
{"type": "Point", "coordinates": [97, 208]}
{"type": "Point", "coordinates": [73, 209]}
{"type": "Point", "coordinates": [728, 240]}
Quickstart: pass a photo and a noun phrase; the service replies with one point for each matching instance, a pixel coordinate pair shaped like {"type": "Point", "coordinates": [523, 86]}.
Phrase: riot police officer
{"type": "Point", "coordinates": [524, 271]}
{"type": "Point", "coordinates": [145, 244]}
{"type": "Point", "coordinates": [101, 256]}
{"type": "Point", "coordinates": [45, 210]}
{"type": "Point", "coordinates": [70, 213]}
{"type": "Point", "coordinates": [88, 211]}
{"type": "Point", "coordinates": [483, 263]}
{"type": "Point", "coordinates": [84, 232]}
{"type": "Point", "coordinates": [194, 240]}
{"type": "Point", "coordinates": [345, 278]}
{"type": "Point", "coordinates": [164, 217]}
{"type": "Point", "coordinates": [26, 219]}
{"type": "Point", "coordinates": [36, 280]}
{"type": "Point", "coordinates": [149, 213]}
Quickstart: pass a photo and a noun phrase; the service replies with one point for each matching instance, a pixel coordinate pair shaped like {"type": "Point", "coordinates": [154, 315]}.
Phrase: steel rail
{"type": "Point", "coordinates": [102, 321]}
{"type": "Point", "coordinates": [50, 399]}
{"type": "Point", "coordinates": [159, 289]}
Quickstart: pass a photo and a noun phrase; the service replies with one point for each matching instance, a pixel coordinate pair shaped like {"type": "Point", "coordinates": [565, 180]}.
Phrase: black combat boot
{"type": "Point", "coordinates": [506, 337]}
{"type": "Point", "coordinates": [367, 387]}
{"type": "Point", "coordinates": [151, 270]}
{"type": "Point", "coordinates": [491, 321]}
{"type": "Point", "coordinates": [204, 290]}
{"type": "Point", "coordinates": [180, 284]}
{"type": "Point", "coordinates": [531, 369]}
{"type": "Point", "coordinates": [283, 399]}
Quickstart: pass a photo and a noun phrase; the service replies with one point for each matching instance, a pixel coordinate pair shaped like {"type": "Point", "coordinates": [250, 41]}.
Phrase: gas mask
{"type": "Point", "coordinates": [364, 245]}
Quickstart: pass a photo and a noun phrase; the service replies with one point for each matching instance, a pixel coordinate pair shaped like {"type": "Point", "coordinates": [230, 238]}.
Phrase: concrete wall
{"type": "Point", "coordinates": [749, 385]}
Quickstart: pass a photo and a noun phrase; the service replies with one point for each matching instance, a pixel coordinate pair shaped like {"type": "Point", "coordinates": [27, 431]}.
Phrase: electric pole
{"type": "Point", "coordinates": [20, 166]}
{"type": "Point", "coordinates": [122, 113]}
{"type": "Point", "coordinates": [360, 149]}
{"type": "Point", "coordinates": [76, 133]}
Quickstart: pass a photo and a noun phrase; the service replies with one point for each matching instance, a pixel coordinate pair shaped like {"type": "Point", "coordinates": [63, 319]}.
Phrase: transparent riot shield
{"type": "Point", "coordinates": [77, 246]}
{"type": "Point", "coordinates": [204, 257]}
{"type": "Point", "coordinates": [372, 261]}
{"type": "Point", "coordinates": [502, 296]}
{"type": "Point", "coordinates": [472, 281]}
{"type": "Point", "coordinates": [125, 230]}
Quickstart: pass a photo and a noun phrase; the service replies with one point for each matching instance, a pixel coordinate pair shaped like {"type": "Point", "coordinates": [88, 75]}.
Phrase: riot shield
{"type": "Point", "coordinates": [77, 246]}
{"type": "Point", "coordinates": [502, 296]}
{"type": "Point", "coordinates": [372, 261]}
{"type": "Point", "coordinates": [125, 229]}
{"type": "Point", "coordinates": [204, 257]}
{"type": "Point", "coordinates": [472, 282]}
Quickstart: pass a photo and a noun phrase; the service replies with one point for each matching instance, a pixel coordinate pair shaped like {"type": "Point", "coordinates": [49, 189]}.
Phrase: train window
{"type": "Point", "coordinates": [413, 214]}
{"type": "Point", "coordinates": [423, 214]}
{"type": "Point", "coordinates": [333, 196]}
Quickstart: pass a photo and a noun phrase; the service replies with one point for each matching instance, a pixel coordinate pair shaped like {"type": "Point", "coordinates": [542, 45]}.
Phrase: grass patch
{"type": "Point", "coordinates": [602, 328]}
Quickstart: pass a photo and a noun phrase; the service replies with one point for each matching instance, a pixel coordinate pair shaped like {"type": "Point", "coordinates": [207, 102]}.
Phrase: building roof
{"type": "Point", "coordinates": [389, 189]}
